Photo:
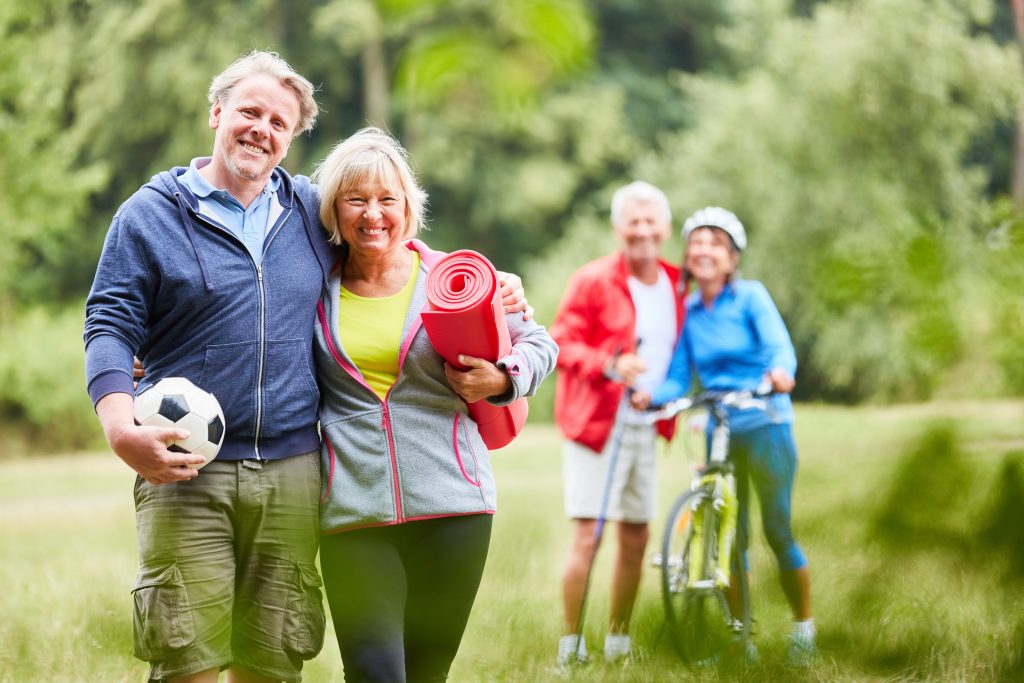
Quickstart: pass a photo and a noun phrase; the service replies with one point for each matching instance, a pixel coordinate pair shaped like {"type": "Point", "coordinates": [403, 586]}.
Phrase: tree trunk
{"type": "Point", "coordinates": [375, 83]}
{"type": "Point", "coordinates": [1017, 180]}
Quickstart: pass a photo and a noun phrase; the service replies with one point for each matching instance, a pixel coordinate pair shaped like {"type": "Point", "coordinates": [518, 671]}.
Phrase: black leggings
{"type": "Point", "coordinates": [400, 596]}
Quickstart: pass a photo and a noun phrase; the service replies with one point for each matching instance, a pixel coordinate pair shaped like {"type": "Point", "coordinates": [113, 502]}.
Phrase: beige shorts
{"type": "Point", "coordinates": [632, 496]}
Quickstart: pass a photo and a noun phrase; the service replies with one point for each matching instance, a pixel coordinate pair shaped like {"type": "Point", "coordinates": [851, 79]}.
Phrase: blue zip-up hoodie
{"type": "Point", "coordinates": [183, 294]}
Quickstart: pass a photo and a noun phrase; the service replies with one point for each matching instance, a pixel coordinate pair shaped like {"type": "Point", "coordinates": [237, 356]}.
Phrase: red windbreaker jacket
{"type": "Point", "coordinates": [596, 320]}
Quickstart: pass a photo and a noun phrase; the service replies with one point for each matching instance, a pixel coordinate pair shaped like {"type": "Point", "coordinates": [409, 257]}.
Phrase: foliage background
{"type": "Point", "coordinates": [866, 144]}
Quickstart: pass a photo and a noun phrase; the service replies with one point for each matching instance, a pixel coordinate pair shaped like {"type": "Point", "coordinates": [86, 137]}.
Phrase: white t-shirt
{"type": "Point", "coordinates": [655, 328]}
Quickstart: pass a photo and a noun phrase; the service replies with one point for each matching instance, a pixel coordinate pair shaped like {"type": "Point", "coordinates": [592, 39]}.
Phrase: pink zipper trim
{"type": "Point", "coordinates": [404, 348]}
{"type": "Point", "coordinates": [346, 366]}
{"type": "Point", "coordinates": [485, 511]}
{"type": "Point", "coordinates": [394, 459]}
{"type": "Point", "coordinates": [377, 525]}
{"type": "Point", "coordinates": [386, 421]}
{"type": "Point", "coordinates": [355, 527]}
{"type": "Point", "coordinates": [458, 456]}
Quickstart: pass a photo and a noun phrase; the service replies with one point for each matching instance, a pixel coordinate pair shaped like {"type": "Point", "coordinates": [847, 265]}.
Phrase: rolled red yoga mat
{"type": "Point", "coordinates": [464, 315]}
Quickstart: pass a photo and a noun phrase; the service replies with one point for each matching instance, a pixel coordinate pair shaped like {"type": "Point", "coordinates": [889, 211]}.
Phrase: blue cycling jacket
{"type": "Point", "coordinates": [731, 346]}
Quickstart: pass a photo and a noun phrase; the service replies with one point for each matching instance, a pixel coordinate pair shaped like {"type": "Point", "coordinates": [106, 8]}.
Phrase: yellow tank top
{"type": "Point", "coordinates": [371, 331]}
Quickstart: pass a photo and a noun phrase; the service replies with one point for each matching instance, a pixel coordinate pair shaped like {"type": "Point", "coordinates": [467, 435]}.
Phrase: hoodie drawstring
{"type": "Point", "coordinates": [192, 239]}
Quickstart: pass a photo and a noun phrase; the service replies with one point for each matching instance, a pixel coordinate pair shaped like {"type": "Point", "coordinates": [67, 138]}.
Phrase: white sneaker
{"type": "Point", "coordinates": [750, 654]}
{"type": "Point", "coordinates": [572, 649]}
{"type": "Point", "coordinates": [616, 646]}
{"type": "Point", "coordinates": [802, 651]}
{"type": "Point", "coordinates": [745, 654]}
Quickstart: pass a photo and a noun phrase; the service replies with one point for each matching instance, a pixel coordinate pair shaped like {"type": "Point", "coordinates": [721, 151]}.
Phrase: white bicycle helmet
{"type": "Point", "coordinates": [717, 217]}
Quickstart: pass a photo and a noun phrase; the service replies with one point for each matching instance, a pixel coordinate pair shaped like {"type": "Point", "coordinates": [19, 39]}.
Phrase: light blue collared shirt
{"type": "Point", "coordinates": [247, 224]}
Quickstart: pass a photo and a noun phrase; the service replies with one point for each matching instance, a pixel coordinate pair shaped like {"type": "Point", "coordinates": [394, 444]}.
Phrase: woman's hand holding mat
{"type": "Point", "coordinates": [464, 316]}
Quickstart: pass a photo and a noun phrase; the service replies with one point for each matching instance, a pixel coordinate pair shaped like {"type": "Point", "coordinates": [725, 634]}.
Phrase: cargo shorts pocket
{"type": "Point", "coordinates": [305, 621]}
{"type": "Point", "coordinates": [163, 622]}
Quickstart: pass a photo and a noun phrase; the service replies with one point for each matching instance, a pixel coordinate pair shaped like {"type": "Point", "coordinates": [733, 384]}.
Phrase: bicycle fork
{"type": "Point", "coordinates": [714, 518]}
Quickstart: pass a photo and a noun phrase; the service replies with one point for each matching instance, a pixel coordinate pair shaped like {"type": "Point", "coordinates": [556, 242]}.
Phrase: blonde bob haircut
{"type": "Point", "coordinates": [369, 155]}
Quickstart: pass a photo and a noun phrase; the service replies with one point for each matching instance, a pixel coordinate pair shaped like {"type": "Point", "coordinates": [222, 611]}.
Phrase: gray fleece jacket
{"type": "Point", "coordinates": [417, 454]}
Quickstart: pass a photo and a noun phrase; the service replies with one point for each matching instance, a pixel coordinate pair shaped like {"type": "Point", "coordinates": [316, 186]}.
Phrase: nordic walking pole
{"type": "Point", "coordinates": [619, 428]}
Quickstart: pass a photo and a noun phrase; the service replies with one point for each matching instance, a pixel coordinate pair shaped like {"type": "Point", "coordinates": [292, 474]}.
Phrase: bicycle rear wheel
{"type": "Point", "coordinates": [701, 625]}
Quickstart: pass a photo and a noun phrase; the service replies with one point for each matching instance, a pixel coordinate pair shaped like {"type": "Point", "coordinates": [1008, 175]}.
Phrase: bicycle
{"type": "Point", "coordinates": [699, 532]}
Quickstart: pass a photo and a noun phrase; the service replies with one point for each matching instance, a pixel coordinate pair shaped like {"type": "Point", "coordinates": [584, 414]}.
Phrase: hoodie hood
{"type": "Point", "coordinates": [166, 185]}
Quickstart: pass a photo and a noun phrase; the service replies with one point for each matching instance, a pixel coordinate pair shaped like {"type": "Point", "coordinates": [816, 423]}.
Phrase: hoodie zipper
{"type": "Point", "coordinates": [262, 343]}
{"type": "Point", "coordinates": [259, 366]}
{"type": "Point", "coordinates": [385, 424]}
{"type": "Point", "coordinates": [262, 297]}
{"type": "Point", "coordinates": [389, 432]}
{"type": "Point", "coordinates": [263, 332]}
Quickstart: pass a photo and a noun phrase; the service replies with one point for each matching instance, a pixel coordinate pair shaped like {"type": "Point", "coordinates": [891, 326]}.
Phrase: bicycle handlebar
{"type": "Point", "coordinates": [742, 398]}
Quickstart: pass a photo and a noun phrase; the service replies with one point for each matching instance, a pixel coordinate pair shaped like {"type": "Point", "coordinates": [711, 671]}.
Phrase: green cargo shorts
{"type": "Point", "coordinates": [227, 572]}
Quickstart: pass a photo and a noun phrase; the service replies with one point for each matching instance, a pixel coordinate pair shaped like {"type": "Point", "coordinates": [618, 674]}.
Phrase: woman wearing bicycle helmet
{"type": "Point", "coordinates": [733, 339]}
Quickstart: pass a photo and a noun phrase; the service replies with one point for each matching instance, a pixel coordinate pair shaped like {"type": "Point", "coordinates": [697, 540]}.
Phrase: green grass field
{"type": "Point", "coordinates": [912, 517]}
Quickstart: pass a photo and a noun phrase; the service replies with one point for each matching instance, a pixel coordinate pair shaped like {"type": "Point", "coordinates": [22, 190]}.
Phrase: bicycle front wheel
{"type": "Point", "coordinates": [701, 624]}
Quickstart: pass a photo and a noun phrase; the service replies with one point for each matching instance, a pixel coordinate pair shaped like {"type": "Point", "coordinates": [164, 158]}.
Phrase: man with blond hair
{"type": "Point", "coordinates": [616, 329]}
{"type": "Point", "coordinates": [213, 272]}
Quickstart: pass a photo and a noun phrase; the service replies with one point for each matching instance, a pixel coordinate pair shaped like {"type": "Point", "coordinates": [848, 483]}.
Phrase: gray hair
{"type": "Point", "coordinates": [271, 64]}
{"type": "Point", "coordinates": [639, 191]}
{"type": "Point", "coordinates": [369, 154]}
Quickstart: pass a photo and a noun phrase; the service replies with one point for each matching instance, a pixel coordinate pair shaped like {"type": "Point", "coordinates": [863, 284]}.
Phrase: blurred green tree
{"type": "Point", "coordinates": [462, 82]}
{"type": "Point", "coordinates": [843, 151]}
{"type": "Point", "coordinates": [860, 140]}
{"type": "Point", "coordinates": [95, 98]}
{"type": "Point", "coordinates": [1001, 270]}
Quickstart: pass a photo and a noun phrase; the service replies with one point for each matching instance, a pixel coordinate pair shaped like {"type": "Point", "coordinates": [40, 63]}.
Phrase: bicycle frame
{"type": "Point", "coordinates": [698, 559]}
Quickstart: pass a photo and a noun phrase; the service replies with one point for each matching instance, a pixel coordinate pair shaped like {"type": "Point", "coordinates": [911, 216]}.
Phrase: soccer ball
{"type": "Point", "coordinates": [176, 402]}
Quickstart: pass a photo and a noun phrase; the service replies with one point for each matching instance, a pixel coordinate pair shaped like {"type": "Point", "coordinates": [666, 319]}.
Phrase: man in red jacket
{"type": "Point", "coordinates": [616, 328]}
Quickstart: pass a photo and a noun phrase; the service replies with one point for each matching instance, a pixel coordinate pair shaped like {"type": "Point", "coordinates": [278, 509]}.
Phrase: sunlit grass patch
{"type": "Point", "coordinates": [941, 598]}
